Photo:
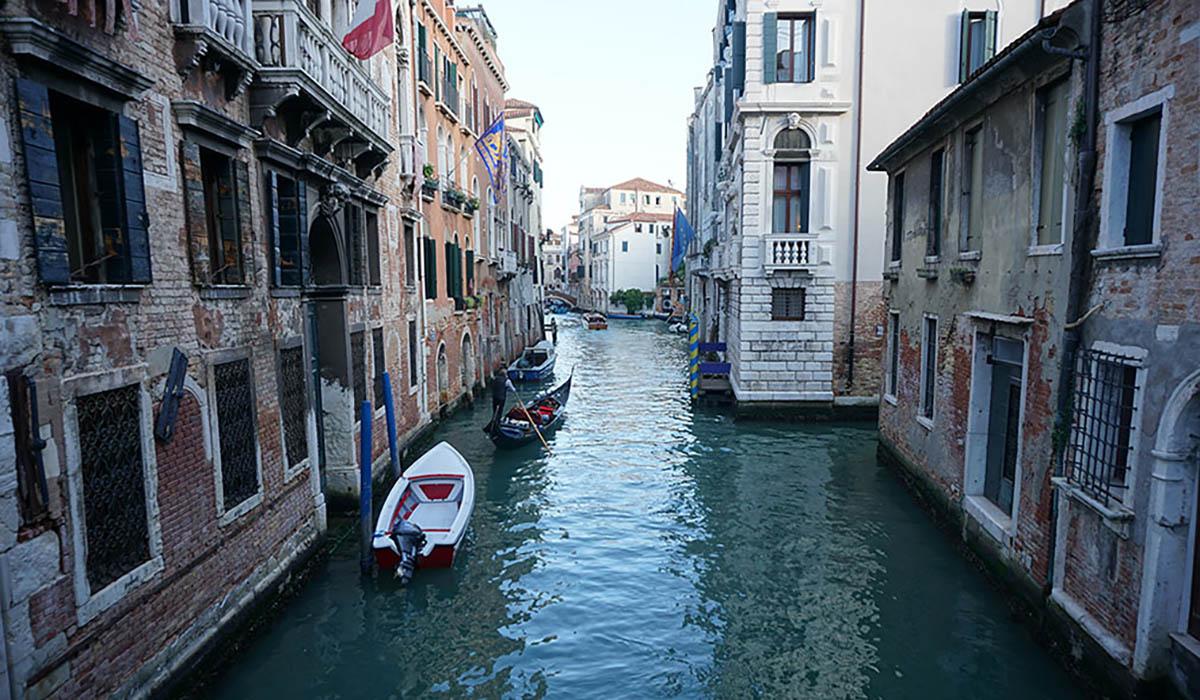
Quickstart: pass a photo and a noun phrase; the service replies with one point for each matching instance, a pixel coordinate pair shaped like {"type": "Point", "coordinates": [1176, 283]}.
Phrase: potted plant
{"type": "Point", "coordinates": [471, 303]}
{"type": "Point", "coordinates": [430, 186]}
{"type": "Point", "coordinates": [472, 206]}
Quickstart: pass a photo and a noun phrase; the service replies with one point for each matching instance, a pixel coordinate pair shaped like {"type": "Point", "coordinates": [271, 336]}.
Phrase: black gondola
{"type": "Point", "coordinates": [514, 429]}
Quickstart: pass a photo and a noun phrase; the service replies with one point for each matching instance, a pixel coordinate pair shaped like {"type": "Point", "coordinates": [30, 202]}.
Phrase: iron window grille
{"type": "Point", "coordinates": [294, 404]}
{"type": "Point", "coordinates": [1100, 452]}
{"type": "Point", "coordinates": [358, 367]}
{"type": "Point", "coordinates": [412, 353]}
{"type": "Point", "coordinates": [237, 427]}
{"type": "Point", "coordinates": [116, 524]}
{"type": "Point", "coordinates": [787, 304]}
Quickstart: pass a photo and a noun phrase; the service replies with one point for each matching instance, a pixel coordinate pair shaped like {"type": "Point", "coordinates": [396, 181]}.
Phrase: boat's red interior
{"type": "Point", "coordinates": [437, 492]}
{"type": "Point", "coordinates": [442, 491]}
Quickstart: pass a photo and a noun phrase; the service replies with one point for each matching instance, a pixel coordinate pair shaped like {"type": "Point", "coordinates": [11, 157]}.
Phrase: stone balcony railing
{"type": "Point", "coordinates": [216, 34]}
{"type": "Point", "coordinates": [508, 263]}
{"type": "Point", "coordinates": [300, 56]}
{"type": "Point", "coordinates": [790, 251]}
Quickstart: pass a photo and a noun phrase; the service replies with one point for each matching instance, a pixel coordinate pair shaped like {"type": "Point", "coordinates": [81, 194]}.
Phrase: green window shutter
{"type": "Point", "coordinates": [739, 57]}
{"type": "Point", "coordinates": [431, 281]}
{"type": "Point", "coordinates": [137, 221]}
{"type": "Point", "coordinates": [470, 272]}
{"type": "Point", "coordinates": [41, 169]}
{"type": "Point", "coordinates": [989, 45]}
{"type": "Point", "coordinates": [770, 38]}
{"type": "Point", "coordinates": [421, 36]}
{"type": "Point", "coordinates": [245, 222]}
{"type": "Point", "coordinates": [964, 42]}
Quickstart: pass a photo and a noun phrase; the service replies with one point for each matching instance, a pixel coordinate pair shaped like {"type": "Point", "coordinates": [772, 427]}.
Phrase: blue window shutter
{"type": "Point", "coordinates": [245, 220]}
{"type": "Point", "coordinates": [739, 57]}
{"type": "Point", "coordinates": [137, 221]}
{"type": "Point", "coordinates": [106, 156]}
{"type": "Point", "coordinates": [41, 169]}
{"type": "Point", "coordinates": [989, 45]}
{"type": "Point", "coordinates": [728, 95]}
{"type": "Point", "coordinates": [271, 204]}
{"type": "Point", "coordinates": [964, 42]}
{"type": "Point", "coordinates": [770, 37]}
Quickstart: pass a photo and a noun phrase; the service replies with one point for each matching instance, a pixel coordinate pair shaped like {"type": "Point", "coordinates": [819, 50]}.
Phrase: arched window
{"type": "Point", "coordinates": [478, 214]}
{"type": "Point", "coordinates": [791, 182]}
{"type": "Point", "coordinates": [462, 169]}
{"type": "Point", "coordinates": [442, 154]}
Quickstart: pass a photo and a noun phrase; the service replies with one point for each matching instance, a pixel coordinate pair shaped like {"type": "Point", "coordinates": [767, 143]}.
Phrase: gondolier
{"type": "Point", "coordinates": [500, 388]}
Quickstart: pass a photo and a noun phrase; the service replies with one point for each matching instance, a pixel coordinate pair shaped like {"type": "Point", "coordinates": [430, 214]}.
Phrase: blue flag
{"type": "Point", "coordinates": [683, 238]}
{"type": "Point", "coordinates": [492, 147]}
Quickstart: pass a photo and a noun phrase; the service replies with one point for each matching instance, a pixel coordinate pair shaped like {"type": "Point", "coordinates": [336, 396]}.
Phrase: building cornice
{"type": "Point", "coordinates": [28, 38]}
{"type": "Point", "coordinates": [447, 31]}
{"type": "Point", "coordinates": [485, 51]}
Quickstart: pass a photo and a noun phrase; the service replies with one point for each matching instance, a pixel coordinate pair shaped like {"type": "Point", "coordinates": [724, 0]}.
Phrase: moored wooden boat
{"type": "Point", "coordinates": [596, 322]}
{"type": "Point", "coordinates": [514, 429]}
{"type": "Point", "coordinates": [535, 364]}
{"type": "Point", "coordinates": [437, 495]}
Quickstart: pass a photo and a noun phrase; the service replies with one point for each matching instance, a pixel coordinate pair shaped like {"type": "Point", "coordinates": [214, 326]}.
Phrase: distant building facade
{"type": "Point", "coordinates": [786, 266]}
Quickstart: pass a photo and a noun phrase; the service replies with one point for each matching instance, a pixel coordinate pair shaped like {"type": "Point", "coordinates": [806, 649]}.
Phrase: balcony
{"type": "Point", "coordinates": [508, 264]}
{"type": "Point", "coordinates": [312, 87]}
{"type": "Point", "coordinates": [448, 101]}
{"type": "Point", "coordinates": [424, 71]}
{"type": "Point", "coordinates": [790, 251]}
{"type": "Point", "coordinates": [216, 36]}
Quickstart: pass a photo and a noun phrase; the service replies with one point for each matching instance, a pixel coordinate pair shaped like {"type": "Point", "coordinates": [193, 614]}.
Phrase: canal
{"type": "Point", "coordinates": [660, 551]}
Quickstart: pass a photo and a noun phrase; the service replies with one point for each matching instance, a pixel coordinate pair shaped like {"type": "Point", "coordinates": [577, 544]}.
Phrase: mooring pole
{"type": "Point", "coordinates": [389, 403]}
{"type": "Point", "coordinates": [366, 527]}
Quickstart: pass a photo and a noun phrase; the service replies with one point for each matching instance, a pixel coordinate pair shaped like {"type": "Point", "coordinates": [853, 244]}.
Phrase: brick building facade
{"type": "Point", "coordinates": [211, 250]}
{"type": "Point", "coordinates": [1040, 371]}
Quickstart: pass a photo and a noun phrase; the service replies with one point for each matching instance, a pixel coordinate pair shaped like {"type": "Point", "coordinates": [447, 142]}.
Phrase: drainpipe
{"type": "Point", "coordinates": [858, 128]}
{"type": "Point", "coordinates": [1079, 280]}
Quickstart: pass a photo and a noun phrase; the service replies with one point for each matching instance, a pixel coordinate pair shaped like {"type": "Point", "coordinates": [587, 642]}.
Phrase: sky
{"type": "Point", "coordinates": [614, 82]}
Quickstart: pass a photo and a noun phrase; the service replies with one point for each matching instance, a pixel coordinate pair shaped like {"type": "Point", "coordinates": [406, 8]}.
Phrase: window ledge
{"type": "Point", "coordinates": [285, 293]}
{"type": "Point", "coordinates": [1043, 250]}
{"type": "Point", "coordinates": [96, 294]}
{"type": "Point", "coordinates": [969, 255]}
{"type": "Point", "coordinates": [932, 259]}
{"type": "Point", "coordinates": [241, 509]}
{"type": "Point", "coordinates": [926, 423]}
{"type": "Point", "coordinates": [993, 520]}
{"type": "Point", "coordinates": [375, 291]}
{"type": "Point", "coordinates": [927, 273]}
{"type": "Point", "coordinates": [892, 274]}
{"type": "Point", "coordinates": [1117, 518]}
{"type": "Point", "coordinates": [891, 398]}
{"type": "Point", "coordinates": [225, 292]}
{"type": "Point", "coordinates": [1150, 250]}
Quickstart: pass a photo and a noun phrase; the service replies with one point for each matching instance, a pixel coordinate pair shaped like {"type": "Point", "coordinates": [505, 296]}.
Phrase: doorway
{"type": "Point", "coordinates": [1006, 362]}
{"type": "Point", "coordinates": [329, 349]}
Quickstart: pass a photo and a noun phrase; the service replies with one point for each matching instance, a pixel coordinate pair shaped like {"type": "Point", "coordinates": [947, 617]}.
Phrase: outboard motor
{"type": "Point", "coordinates": [409, 540]}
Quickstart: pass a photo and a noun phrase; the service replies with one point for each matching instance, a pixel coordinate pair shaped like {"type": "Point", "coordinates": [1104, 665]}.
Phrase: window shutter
{"type": "Point", "coordinates": [728, 95]}
{"type": "Point", "coordinates": [739, 57]}
{"type": "Point", "coordinates": [770, 38]}
{"type": "Point", "coordinates": [805, 194]}
{"type": "Point", "coordinates": [431, 280]}
{"type": "Point", "coordinates": [989, 45]}
{"type": "Point", "coordinates": [421, 37]}
{"type": "Point", "coordinates": [241, 173]}
{"type": "Point", "coordinates": [471, 271]}
{"type": "Point", "coordinates": [193, 202]}
{"type": "Point", "coordinates": [137, 221]}
{"type": "Point", "coordinates": [302, 227]}
{"type": "Point", "coordinates": [109, 176]}
{"type": "Point", "coordinates": [271, 201]}
{"type": "Point", "coordinates": [41, 169]}
{"type": "Point", "coordinates": [964, 42]}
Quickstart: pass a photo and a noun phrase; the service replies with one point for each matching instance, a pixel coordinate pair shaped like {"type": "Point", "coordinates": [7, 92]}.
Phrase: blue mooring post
{"type": "Point", "coordinates": [390, 404]}
{"type": "Point", "coordinates": [364, 488]}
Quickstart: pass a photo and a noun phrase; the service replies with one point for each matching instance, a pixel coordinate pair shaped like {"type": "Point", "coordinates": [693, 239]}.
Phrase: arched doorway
{"type": "Point", "coordinates": [329, 350]}
{"type": "Point", "coordinates": [467, 365]}
{"type": "Point", "coordinates": [443, 375]}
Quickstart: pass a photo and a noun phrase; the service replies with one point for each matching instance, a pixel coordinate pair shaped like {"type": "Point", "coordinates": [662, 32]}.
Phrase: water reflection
{"type": "Point", "coordinates": [660, 551]}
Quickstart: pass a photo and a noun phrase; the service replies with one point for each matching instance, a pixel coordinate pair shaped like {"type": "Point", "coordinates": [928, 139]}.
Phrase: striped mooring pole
{"type": "Point", "coordinates": [694, 355]}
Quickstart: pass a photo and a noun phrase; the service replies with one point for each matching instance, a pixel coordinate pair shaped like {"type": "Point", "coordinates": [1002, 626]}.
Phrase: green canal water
{"type": "Point", "coordinates": [660, 551]}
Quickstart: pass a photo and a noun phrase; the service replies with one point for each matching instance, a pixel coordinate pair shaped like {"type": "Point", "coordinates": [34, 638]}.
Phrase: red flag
{"type": "Point", "coordinates": [371, 29]}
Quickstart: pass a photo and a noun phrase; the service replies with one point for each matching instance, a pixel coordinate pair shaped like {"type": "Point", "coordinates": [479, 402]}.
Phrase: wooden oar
{"type": "Point", "coordinates": [531, 420]}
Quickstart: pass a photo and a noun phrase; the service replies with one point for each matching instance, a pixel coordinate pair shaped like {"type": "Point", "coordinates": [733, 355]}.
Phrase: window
{"type": "Point", "coordinates": [637, 228]}
{"type": "Point", "coordinates": [84, 171]}
{"type": "Point", "coordinates": [658, 248]}
{"type": "Point", "coordinates": [787, 304]}
{"type": "Point", "coordinates": [431, 283]}
{"type": "Point", "coordinates": [114, 489]}
{"type": "Point", "coordinates": [293, 404]}
{"type": "Point", "coordinates": [1142, 178]}
{"type": "Point", "coordinates": [658, 200]}
{"type": "Point", "coordinates": [358, 370]}
{"type": "Point", "coordinates": [646, 198]}
{"type": "Point", "coordinates": [379, 361]}
{"type": "Point", "coordinates": [285, 221]}
{"type": "Point", "coordinates": [893, 349]}
{"type": "Point", "coordinates": [897, 217]}
{"type": "Point", "coordinates": [412, 354]}
{"type": "Point", "coordinates": [1100, 452]}
{"type": "Point", "coordinates": [977, 42]}
{"type": "Point", "coordinates": [237, 428]}
{"type": "Point", "coordinates": [352, 223]}
{"type": "Point", "coordinates": [622, 198]}
{"type": "Point", "coordinates": [1052, 103]}
{"type": "Point", "coordinates": [32, 496]}
{"type": "Point", "coordinates": [221, 217]}
{"type": "Point", "coordinates": [651, 228]}
{"type": "Point", "coordinates": [374, 265]}
{"type": "Point", "coordinates": [410, 254]}
{"type": "Point", "coordinates": [791, 182]}
{"type": "Point", "coordinates": [972, 188]}
{"type": "Point", "coordinates": [795, 44]}
{"type": "Point", "coordinates": [624, 246]}
{"type": "Point", "coordinates": [929, 357]}
{"type": "Point", "coordinates": [933, 244]}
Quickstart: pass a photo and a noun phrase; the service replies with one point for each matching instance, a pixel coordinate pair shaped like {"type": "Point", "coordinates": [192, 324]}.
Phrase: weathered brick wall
{"type": "Point", "coordinates": [869, 322]}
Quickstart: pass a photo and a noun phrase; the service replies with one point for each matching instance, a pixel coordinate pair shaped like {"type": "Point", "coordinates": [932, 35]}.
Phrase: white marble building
{"type": "Point", "coordinates": [787, 264]}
